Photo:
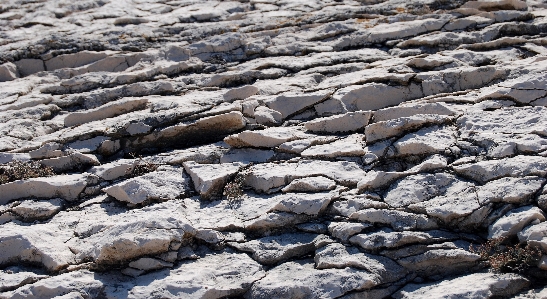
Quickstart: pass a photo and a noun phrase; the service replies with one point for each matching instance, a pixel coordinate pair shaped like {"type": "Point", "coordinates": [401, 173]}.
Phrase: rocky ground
{"type": "Point", "coordinates": [273, 149]}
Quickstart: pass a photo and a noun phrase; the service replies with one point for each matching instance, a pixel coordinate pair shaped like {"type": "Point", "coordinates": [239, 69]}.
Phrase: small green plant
{"type": "Point", "coordinates": [141, 167]}
{"type": "Point", "coordinates": [234, 189]}
{"type": "Point", "coordinates": [18, 170]}
{"type": "Point", "coordinates": [506, 258]}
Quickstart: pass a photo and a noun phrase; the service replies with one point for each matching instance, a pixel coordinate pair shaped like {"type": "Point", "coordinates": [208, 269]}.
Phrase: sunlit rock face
{"type": "Point", "coordinates": [273, 149]}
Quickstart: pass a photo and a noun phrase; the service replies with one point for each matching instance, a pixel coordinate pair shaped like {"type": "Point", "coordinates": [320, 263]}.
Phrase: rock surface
{"type": "Point", "coordinates": [272, 149]}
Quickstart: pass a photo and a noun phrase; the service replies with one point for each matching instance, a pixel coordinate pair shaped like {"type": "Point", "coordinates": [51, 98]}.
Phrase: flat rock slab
{"type": "Point", "coordinates": [300, 279]}
{"type": "Point", "coordinates": [272, 250]}
{"type": "Point", "coordinates": [338, 256]}
{"type": "Point", "coordinates": [210, 179]}
{"type": "Point", "coordinates": [349, 122]}
{"type": "Point", "coordinates": [164, 184]}
{"type": "Point", "coordinates": [67, 187]}
{"type": "Point", "coordinates": [478, 285]}
{"type": "Point", "coordinates": [486, 171]}
{"type": "Point", "coordinates": [212, 276]}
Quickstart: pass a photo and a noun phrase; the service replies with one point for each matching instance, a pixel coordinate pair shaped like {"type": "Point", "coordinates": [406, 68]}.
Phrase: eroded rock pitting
{"type": "Point", "coordinates": [272, 149]}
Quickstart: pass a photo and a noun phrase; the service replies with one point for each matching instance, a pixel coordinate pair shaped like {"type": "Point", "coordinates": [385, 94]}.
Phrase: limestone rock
{"type": "Point", "coordinates": [486, 171]}
{"type": "Point", "coordinates": [339, 256]}
{"type": "Point", "coordinates": [349, 122]}
{"type": "Point", "coordinates": [390, 239]}
{"type": "Point", "coordinates": [270, 137]}
{"type": "Point", "coordinates": [310, 184]}
{"type": "Point", "coordinates": [514, 221]}
{"type": "Point", "coordinates": [233, 274]}
{"type": "Point", "coordinates": [344, 230]}
{"type": "Point", "coordinates": [347, 147]}
{"type": "Point", "coordinates": [272, 250]}
{"type": "Point", "coordinates": [67, 187]}
{"type": "Point", "coordinates": [209, 179]}
{"type": "Point", "coordinates": [300, 279]}
{"type": "Point", "coordinates": [484, 285]}
{"type": "Point", "coordinates": [396, 127]}
{"type": "Point", "coordinates": [167, 183]}
{"type": "Point", "coordinates": [148, 264]}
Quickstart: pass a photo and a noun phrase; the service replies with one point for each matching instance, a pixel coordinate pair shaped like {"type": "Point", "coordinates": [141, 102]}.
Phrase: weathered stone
{"type": "Point", "coordinates": [514, 221]}
{"type": "Point", "coordinates": [165, 184]}
{"type": "Point", "coordinates": [483, 285]}
{"type": "Point", "coordinates": [299, 279]}
{"type": "Point", "coordinates": [209, 179]}
{"type": "Point", "coordinates": [109, 110]}
{"type": "Point", "coordinates": [349, 122]}
{"type": "Point", "coordinates": [148, 264]}
{"type": "Point", "coordinates": [390, 239]}
{"type": "Point", "coordinates": [233, 274]}
{"type": "Point", "coordinates": [344, 230]}
{"type": "Point", "coordinates": [339, 256]}
{"type": "Point", "coordinates": [270, 137]}
{"type": "Point", "coordinates": [37, 210]}
{"type": "Point", "coordinates": [67, 187]}
{"type": "Point", "coordinates": [272, 250]}
{"type": "Point", "coordinates": [486, 171]}
{"type": "Point", "coordinates": [396, 127]}
{"type": "Point", "coordinates": [310, 184]}
{"type": "Point", "coordinates": [431, 140]}
{"type": "Point", "coordinates": [398, 220]}
{"type": "Point", "coordinates": [347, 147]}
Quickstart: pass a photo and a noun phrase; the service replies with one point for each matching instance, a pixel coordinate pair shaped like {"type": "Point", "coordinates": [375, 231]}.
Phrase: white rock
{"type": "Point", "coordinates": [67, 187]}
{"type": "Point", "coordinates": [134, 234]}
{"type": "Point", "coordinates": [166, 184]}
{"type": "Point", "coordinates": [430, 140]}
{"type": "Point", "coordinates": [291, 103]}
{"type": "Point", "coordinates": [303, 203]}
{"type": "Point", "coordinates": [350, 146]}
{"type": "Point", "coordinates": [270, 137]}
{"type": "Point", "coordinates": [74, 160]}
{"type": "Point", "coordinates": [344, 230]}
{"type": "Point", "coordinates": [114, 170]}
{"type": "Point", "coordinates": [212, 276]}
{"type": "Point", "coordinates": [210, 179]}
{"type": "Point", "coordinates": [10, 280]}
{"type": "Point", "coordinates": [486, 171]}
{"type": "Point", "coordinates": [440, 262]}
{"type": "Point", "coordinates": [300, 280]}
{"type": "Point", "coordinates": [535, 235]}
{"type": "Point", "coordinates": [510, 190]}
{"type": "Point", "coordinates": [419, 188]}
{"type": "Point", "coordinates": [264, 177]}
{"type": "Point", "coordinates": [8, 72]}
{"type": "Point", "coordinates": [43, 244]}
{"type": "Point", "coordinates": [48, 150]}
{"type": "Point", "coordinates": [339, 256]}
{"type": "Point", "coordinates": [240, 93]}
{"type": "Point", "coordinates": [31, 210]}
{"type": "Point", "coordinates": [395, 127]}
{"type": "Point", "coordinates": [268, 117]}
{"type": "Point", "coordinates": [374, 96]}
{"type": "Point", "coordinates": [310, 184]}
{"type": "Point", "coordinates": [412, 109]}
{"type": "Point", "coordinates": [148, 264]}
{"type": "Point", "coordinates": [272, 250]}
{"type": "Point", "coordinates": [514, 221]}
{"type": "Point", "coordinates": [477, 285]}
{"type": "Point", "coordinates": [348, 122]}
{"type": "Point", "coordinates": [516, 120]}
{"type": "Point", "coordinates": [398, 220]}
{"type": "Point", "coordinates": [88, 145]}
{"type": "Point", "coordinates": [389, 239]}
{"type": "Point", "coordinates": [82, 282]}
{"type": "Point", "coordinates": [109, 110]}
